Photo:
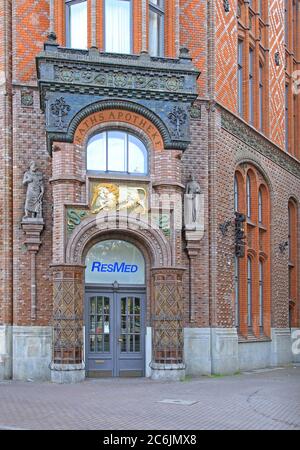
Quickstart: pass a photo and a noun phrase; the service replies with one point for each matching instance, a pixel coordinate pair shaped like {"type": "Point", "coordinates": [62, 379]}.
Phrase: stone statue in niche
{"type": "Point", "coordinates": [34, 180]}
{"type": "Point", "coordinates": [192, 205]}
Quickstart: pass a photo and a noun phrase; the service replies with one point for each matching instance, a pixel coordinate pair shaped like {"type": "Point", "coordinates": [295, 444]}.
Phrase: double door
{"type": "Point", "coordinates": [115, 333]}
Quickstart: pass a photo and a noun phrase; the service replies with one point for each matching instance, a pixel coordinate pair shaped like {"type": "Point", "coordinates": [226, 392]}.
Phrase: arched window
{"type": "Point", "coordinates": [236, 194]}
{"type": "Point", "coordinates": [293, 262]}
{"type": "Point", "coordinates": [260, 206]}
{"type": "Point", "coordinates": [117, 151]}
{"type": "Point", "coordinates": [261, 293]}
{"type": "Point", "coordinates": [248, 192]}
{"type": "Point", "coordinates": [249, 291]}
{"type": "Point", "coordinates": [252, 272]}
{"type": "Point", "coordinates": [236, 290]}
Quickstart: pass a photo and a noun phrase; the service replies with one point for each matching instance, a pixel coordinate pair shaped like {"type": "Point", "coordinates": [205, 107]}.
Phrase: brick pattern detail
{"type": "Point", "coordinates": [226, 55]}
{"type": "Point", "coordinates": [31, 26]}
{"type": "Point", "coordinates": [193, 35]}
{"type": "Point", "coordinates": [277, 75]}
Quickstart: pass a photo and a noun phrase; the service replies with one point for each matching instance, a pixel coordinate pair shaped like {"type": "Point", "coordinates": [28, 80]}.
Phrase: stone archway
{"type": "Point", "coordinates": [164, 283]}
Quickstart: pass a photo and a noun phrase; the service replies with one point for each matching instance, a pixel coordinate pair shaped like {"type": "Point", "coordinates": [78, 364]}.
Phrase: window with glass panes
{"type": "Point", "coordinates": [76, 24]}
{"type": "Point", "coordinates": [117, 151]}
{"type": "Point", "coordinates": [156, 27]}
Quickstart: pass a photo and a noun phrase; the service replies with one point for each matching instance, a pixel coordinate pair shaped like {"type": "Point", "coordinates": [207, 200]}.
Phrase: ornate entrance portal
{"type": "Point", "coordinates": [115, 310]}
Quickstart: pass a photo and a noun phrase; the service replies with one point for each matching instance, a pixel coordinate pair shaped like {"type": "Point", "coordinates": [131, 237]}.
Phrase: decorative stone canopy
{"type": "Point", "coordinates": [76, 83]}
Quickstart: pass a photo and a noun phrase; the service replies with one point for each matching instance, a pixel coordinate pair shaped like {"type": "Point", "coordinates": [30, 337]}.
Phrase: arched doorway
{"type": "Point", "coordinates": [115, 309]}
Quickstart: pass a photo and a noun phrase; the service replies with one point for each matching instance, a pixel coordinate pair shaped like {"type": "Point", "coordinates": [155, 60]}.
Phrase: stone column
{"type": "Point", "coordinates": [167, 322]}
{"type": "Point", "coordinates": [68, 295]}
{"type": "Point", "coordinates": [33, 228]}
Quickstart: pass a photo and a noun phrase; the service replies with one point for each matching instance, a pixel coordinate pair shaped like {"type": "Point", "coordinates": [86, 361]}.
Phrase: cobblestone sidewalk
{"type": "Point", "coordinates": [268, 399]}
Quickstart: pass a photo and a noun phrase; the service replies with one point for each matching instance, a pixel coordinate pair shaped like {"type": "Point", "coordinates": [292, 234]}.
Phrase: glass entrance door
{"type": "Point", "coordinates": [115, 334]}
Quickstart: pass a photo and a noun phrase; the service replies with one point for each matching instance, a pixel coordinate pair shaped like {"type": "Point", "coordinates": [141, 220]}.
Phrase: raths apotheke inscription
{"type": "Point", "coordinates": [119, 115]}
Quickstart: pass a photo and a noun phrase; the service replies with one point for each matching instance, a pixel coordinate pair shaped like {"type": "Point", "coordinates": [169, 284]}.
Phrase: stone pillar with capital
{"type": "Point", "coordinates": [167, 322]}
{"type": "Point", "coordinates": [67, 361]}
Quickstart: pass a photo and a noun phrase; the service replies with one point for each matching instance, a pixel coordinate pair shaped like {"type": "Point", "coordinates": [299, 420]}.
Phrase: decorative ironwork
{"type": "Point", "coordinates": [224, 226]}
{"type": "Point", "coordinates": [68, 317]}
{"type": "Point", "coordinates": [60, 109]}
{"type": "Point", "coordinates": [283, 246]}
{"type": "Point", "coordinates": [240, 219]}
{"type": "Point", "coordinates": [177, 118]}
{"type": "Point", "coordinates": [167, 319]}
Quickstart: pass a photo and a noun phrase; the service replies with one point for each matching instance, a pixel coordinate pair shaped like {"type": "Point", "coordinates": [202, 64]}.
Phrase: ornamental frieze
{"type": "Point", "coordinates": [258, 143]}
{"type": "Point", "coordinates": [75, 84]}
{"type": "Point", "coordinates": [120, 79]}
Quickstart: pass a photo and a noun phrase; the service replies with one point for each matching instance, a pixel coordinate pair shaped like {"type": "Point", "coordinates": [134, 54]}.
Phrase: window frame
{"type": "Point", "coordinates": [261, 272]}
{"type": "Point", "coordinates": [240, 96]}
{"type": "Point", "coordinates": [68, 4]}
{"type": "Point", "coordinates": [237, 290]}
{"type": "Point", "coordinates": [249, 291]}
{"type": "Point", "coordinates": [251, 85]}
{"type": "Point", "coordinates": [261, 96]}
{"type": "Point", "coordinates": [159, 10]}
{"type": "Point", "coordinates": [130, 28]}
{"type": "Point", "coordinates": [248, 196]}
{"type": "Point", "coordinates": [260, 207]}
{"type": "Point", "coordinates": [116, 172]}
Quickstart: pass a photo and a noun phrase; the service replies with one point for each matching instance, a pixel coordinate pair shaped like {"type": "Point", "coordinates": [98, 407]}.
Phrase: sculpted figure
{"type": "Point", "coordinates": [192, 203]}
{"type": "Point", "coordinates": [34, 180]}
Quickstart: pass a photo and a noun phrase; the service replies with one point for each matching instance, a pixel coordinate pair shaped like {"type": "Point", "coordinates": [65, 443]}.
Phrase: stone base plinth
{"type": "Point", "coordinates": [295, 335]}
{"type": "Point", "coordinates": [5, 352]}
{"type": "Point", "coordinates": [32, 350]}
{"type": "Point", "coordinates": [167, 372]}
{"type": "Point", "coordinates": [67, 373]}
{"type": "Point", "coordinates": [197, 351]}
{"type": "Point", "coordinates": [281, 348]}
{"type": "Point", "coordinates": [224, 350]}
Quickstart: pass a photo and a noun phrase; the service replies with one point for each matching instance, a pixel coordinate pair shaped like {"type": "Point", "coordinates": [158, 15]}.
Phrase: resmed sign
{"type": "Point", "coordinates": [115, 260]}
{"type": "Point", "coordinates": [115, 267]}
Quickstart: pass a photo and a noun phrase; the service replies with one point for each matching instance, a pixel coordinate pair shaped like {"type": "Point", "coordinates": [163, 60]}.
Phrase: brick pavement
{"type": "Point", "coordinates": [260, 400]}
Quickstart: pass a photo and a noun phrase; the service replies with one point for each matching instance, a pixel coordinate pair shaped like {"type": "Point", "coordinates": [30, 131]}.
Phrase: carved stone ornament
{"type": "Point", "coordinates": [27, 98]}
{"type": "Point", "coordinates": [60, 109]}
{"type": "Point", "coordinates": [193, 205]}
{"type": "Point", "coordinates": [177, 118]}
{"type": "Point", "coordinates": [34, 180]}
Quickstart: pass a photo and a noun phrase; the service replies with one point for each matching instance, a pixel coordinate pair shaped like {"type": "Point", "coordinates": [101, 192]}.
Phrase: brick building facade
{"type": "Point", "coordinates": [201, 88]}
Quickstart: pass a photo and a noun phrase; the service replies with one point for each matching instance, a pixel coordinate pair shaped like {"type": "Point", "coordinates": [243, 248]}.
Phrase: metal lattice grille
{"type": "Point", "coordinates": [168, 317]}
{"type": "Point", "coordinates": [67, 321]}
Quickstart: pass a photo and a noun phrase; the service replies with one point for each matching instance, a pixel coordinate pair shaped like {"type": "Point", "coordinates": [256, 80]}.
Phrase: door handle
{"type": "Point", "coordinates": [120, 339]}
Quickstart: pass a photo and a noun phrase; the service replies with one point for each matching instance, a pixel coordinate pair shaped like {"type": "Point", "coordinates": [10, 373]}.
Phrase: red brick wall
{"type": "Point", "coordinates": [226, 55]}
{"type": "Point", "coordinates": [193, 35]}
{"type": "Point", "coordinates": [5, 164]}
{"type": "Point", "coordinates": [29, 143]}
{"type": "Point", "coordinates": [30, 29]}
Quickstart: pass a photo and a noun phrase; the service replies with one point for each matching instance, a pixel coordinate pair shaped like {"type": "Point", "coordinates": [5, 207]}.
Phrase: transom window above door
{"type": "Point", "coordinates": [116, 151]}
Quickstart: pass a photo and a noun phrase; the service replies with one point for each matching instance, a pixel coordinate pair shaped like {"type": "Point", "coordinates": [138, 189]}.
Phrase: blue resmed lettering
{"type": "Point", "coordinates": [114, 267]}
